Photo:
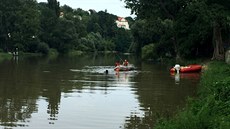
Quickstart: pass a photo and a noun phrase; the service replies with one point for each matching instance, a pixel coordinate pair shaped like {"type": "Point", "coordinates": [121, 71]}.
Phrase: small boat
{"type": "Point", "coordinates": [188, 69]}
{"type": "Point", "coordinates": [124, 68]}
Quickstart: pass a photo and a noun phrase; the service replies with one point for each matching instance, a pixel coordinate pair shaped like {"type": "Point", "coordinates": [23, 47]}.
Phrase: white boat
{"type": "Point", "coordinates": [124, 68]}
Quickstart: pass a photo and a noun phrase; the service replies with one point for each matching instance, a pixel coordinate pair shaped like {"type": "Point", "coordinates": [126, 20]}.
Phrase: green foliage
{"type": "Point", "coordinates": [187, 26]}
{"type": "Point", "coordinates": [5, 56]}
{"type": "Point", "coordinates": [64, 36]}
{"type": "Point", "coordinates": [130, 20]}
{"type": "Point", "coordinates": [43, 48]}
{"type": "Point", "coordinates": [37, 27]}
{"type": "Point", "coordinates": [94, 42]}
{"type": "Point", "coordinates": [54, 6]}
{"type": "Point", "coordinates": [122, 40]}
{"type": "Point", "coordinates": [75, 53]}
{"type": "Point", "coordinates": [195, 29]}
{"type": "Point", "coordinates": [77, 17]}
{"type": "Point", "coordinates": [53, 53]}
{"type": "Point", "coordinates": [142, 35]}
{"type": "Point", "coordinates": [148, 52]}
{"type": "Point", "coordinates": [48, 24]}
{"type": "Point", "coordinates": [103, 23]}
{"type": "Point", "coordinates": [19, 22]}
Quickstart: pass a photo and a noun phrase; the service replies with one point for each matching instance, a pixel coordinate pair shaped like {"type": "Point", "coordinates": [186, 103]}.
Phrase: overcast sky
{"type": "Point", "coordinates": [115, 7]}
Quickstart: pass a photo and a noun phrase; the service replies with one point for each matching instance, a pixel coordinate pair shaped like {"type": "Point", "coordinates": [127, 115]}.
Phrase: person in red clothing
{"type": "Point", "coordinates": [125, 63]}
{"type": "Point", "coordinates": [117, 63]}
{"type": "Point", "coordinates": [117, 66]}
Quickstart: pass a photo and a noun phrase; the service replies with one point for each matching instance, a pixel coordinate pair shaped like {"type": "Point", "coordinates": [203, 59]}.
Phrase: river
{"type": "Point", "coordinates": [74, 92]}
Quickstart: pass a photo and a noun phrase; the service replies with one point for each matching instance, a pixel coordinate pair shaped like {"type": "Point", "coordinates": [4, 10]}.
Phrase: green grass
{"type": "Point", "coordinates": [5, 56]}
{"type": "Point", "coordinates": [211, 109]}
{"type": "Point", "coordinates": [75, 53]}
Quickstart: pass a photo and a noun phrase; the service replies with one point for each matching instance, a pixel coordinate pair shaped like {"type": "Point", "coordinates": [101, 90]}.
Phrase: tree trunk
{"type": "Point", "coordinates": [178, 57]}
{"type": "Point", "coordinates": [218, 52]}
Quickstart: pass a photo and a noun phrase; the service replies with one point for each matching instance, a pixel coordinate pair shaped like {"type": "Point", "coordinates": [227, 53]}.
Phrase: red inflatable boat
{"type": "Point", "coordinates": [188, 69]}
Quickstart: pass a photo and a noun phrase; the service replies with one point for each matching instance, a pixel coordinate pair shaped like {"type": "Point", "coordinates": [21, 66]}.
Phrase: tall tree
{"type": "Point", "coordinates": [191, 22]}
{"type": "Point", "coordinates": [8, 18]}
{"type": "Point", "coordinates": [219, 11]}
{"type": "Point", "coordinates": [152, 10]}
{"type": "Point", "coordinates": [48, 24]}
{"type": "Point", "coordinates": [55, 6]}
{"type": "Point", "coordinates": [122, 40]}
{"type": "Point", "coordinates": [64, 35]}
{"type": "Point", "coordinates": [19, 23]}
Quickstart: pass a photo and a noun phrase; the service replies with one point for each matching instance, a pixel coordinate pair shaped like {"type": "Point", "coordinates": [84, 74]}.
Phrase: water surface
{"type": "Point", "coordinates": [74, 92]}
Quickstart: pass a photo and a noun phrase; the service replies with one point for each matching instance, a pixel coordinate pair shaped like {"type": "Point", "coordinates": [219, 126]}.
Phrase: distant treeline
{"type": "Point", "coordinates": [180, 29]}
{"type": "Point", "coordinates": [39, 27]}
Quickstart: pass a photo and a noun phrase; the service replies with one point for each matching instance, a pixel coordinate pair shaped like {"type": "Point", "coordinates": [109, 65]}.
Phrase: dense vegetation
{"type": "Point", "coordinates": [162, 28]}
{"type": "Point", "coordinates": [181, 28]}
{"type": "Point", "coordinates": [40, 27]}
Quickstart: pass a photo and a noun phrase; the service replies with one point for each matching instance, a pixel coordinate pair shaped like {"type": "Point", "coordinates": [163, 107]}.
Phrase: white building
{"type": "Point", "coordinates": [61, 15]}
{"type": "Point", "coordinates": [122, 23]}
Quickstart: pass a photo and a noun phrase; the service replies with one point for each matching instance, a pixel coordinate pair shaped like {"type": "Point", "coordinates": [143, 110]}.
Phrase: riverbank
{"type": "Point", "coordinates": [211, 108]}
{"type": "Point", "coordinates": [5, 56]}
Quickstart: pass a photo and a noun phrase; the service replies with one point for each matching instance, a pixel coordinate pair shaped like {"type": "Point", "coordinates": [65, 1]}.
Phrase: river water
{"type": "Point", "coordinates": [74, 92]}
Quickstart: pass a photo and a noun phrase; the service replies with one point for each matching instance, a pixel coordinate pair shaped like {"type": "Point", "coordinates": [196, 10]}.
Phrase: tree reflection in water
{"type": "Point", "coordinates": [53, 100]}
{"type": "Point", "coordinates": [19, 92]}
{"type": "Point", "coordinates": [16, 113]}
{"type": "Point", "coordinates": [24, 84]}
{"type": "Point", "coordinates": [17, 101]}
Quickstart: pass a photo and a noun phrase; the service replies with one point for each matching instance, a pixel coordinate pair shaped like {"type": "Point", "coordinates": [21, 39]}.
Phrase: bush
{"type": "Point", "coordinates": [74, 53]}
{"type": "Point", "coordinates": [5, 56]}
{"type": "Point", "coordinates": [148, 52]}
{"type": "Point", "coordinates": [53, 52]}
{"type": "Point", "coordinates": [43, 48]}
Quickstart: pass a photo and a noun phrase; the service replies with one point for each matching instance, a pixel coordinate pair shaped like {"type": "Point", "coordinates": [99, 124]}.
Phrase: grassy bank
{"type": "Point", "coordinates": [211, 109]}
{"type": "Point", "coordinates": [5, 56]}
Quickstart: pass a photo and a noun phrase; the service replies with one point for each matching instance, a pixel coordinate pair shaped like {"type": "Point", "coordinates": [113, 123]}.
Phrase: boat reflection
{"type": "Point", "coordinates": [122, 76]}
{"type": "Point", "coordinates": [184, 76]}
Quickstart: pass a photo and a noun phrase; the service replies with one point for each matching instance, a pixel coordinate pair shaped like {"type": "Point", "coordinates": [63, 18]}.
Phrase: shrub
{"type": "Point", "coordinates": [43, 48]}
{"type": "Point", "coordinates": [148, 52]}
